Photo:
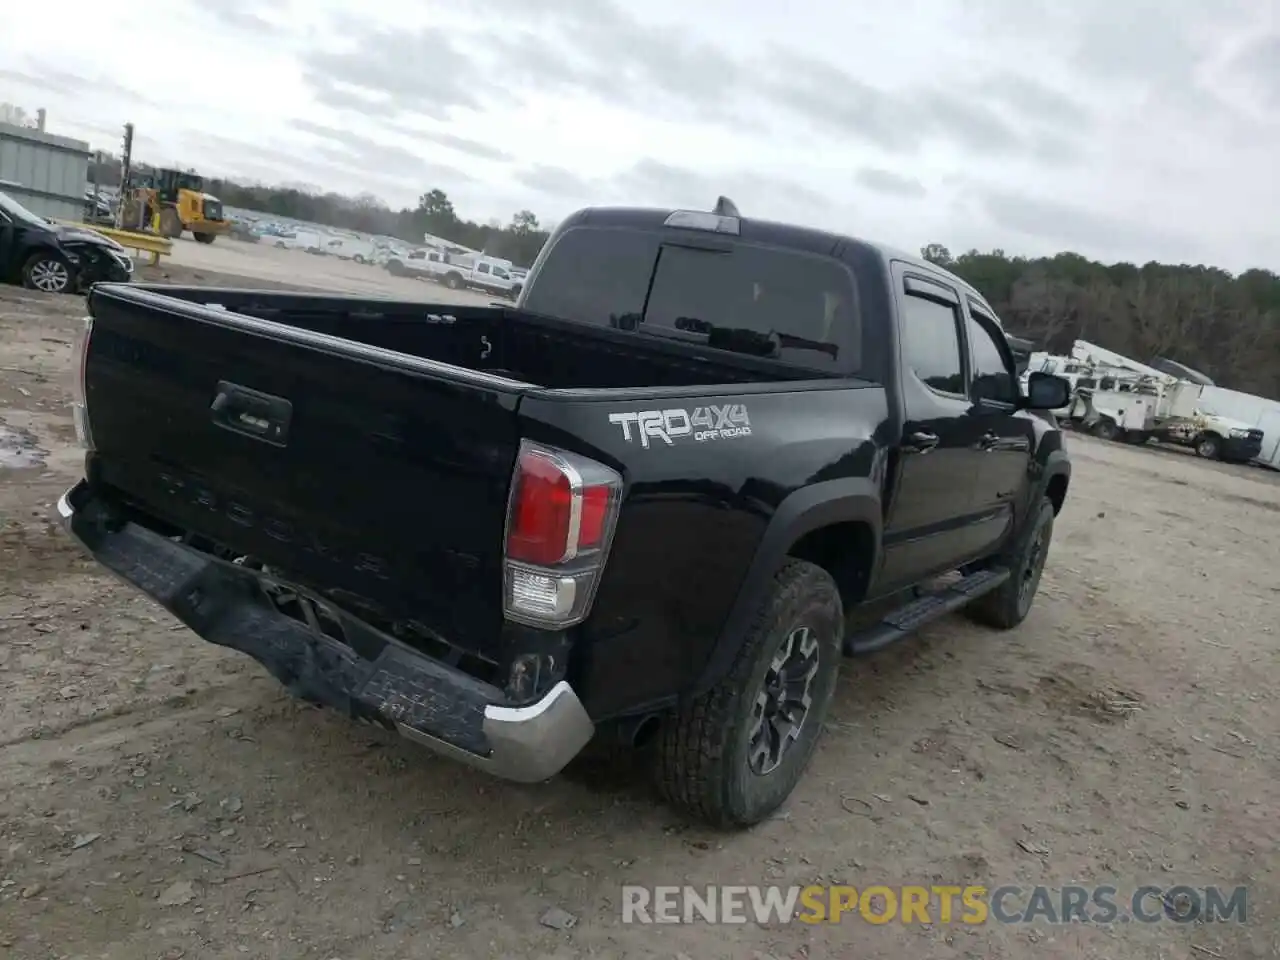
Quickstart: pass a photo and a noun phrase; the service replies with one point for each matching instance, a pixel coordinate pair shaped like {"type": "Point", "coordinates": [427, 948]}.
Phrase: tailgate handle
{"type": "Point", "coordinates": [252, 413]}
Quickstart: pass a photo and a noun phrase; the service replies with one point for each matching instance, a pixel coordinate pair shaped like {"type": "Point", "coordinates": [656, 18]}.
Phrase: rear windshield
{"type": "Point", "coordinates": [760, 301]}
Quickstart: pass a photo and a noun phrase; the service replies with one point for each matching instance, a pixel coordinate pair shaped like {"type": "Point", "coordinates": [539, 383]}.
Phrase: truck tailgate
{"type": "Point", "coordinates": [373, 475]}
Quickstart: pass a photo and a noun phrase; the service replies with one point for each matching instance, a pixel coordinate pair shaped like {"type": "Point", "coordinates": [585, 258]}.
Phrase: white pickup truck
{"type": "Point", "coordinates": [457, 272]}
{"type": "Point", "coordinates": [487, 274]}
{"type": "Point", "coordinates": [419, 262]}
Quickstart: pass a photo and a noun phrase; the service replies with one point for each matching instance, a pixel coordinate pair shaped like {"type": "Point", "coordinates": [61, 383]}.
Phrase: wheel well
{"type": "Point", "coordinates": [1057, 491]}
{"type": "Point", "coordinates": [844, 550]}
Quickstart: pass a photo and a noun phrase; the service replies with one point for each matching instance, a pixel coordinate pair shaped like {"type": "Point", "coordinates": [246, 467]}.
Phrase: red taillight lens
{"type": "Point", "coordinates": [557, 513]}
{"type": "Point", "coordinates": [595, 514]}
{"type": "Point", "coordinates": [560, 521]}
{"type": "Point", "coordinates": [541, 511]}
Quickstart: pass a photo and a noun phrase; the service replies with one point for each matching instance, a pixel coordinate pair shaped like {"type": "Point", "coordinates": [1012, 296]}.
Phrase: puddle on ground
{"type": "Point", "coordinates": [18, 450]}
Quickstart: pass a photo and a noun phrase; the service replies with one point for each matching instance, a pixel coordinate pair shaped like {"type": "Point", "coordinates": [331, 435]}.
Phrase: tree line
{"type": "Point", "coordinates": [1227, 326]}
{"type": "Point", "coordinates": [519, 240]}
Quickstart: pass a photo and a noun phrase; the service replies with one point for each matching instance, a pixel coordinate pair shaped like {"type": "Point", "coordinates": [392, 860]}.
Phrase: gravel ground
{"type": "Point", "coordinates": [160, 797]}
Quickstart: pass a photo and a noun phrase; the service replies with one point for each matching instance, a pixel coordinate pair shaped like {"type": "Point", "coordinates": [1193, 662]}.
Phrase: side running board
{"type": "Point", "coordinates": [915, 614]}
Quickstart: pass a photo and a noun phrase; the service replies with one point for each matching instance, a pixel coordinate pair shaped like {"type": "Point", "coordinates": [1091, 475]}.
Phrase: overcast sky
{"type": "Point", "coordinates": [1122, 129]}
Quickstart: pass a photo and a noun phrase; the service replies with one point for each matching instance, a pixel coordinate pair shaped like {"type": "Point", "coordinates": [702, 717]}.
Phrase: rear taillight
{"type": "Point", "coordinates": [80, 400]}
{"type": "Point", "coordinates": [560, 521]}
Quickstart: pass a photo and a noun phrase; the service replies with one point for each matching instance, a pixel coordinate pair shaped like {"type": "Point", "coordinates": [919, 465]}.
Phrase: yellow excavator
{"type": "Point", "coordinates": [171, 201]}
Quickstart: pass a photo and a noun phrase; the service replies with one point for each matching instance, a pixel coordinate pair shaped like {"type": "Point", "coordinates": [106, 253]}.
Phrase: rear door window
{"type": "Point", "coordinates": [760, 301]}
{"type": "Point", "coordinates": [595, 275]}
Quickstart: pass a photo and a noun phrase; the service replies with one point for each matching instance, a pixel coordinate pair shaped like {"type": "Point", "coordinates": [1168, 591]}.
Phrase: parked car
{"type": "Point", "coordinates": [98, 209]}
{"type": "Point", "coordinates": [643, 502]}
{"type": "Point", "coordinates": [48, 256]}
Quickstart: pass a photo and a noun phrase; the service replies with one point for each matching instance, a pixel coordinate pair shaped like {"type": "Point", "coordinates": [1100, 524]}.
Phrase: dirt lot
{"type": "Point", "coordinates": [161, 798]}
{"type": "Point", "coordinates": [262, 262]}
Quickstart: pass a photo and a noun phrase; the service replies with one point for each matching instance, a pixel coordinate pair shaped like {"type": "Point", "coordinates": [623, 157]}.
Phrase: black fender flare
{"type": "Point", "coordinates": [1055, 464]}
{"type": "Point", "coordinates": [847, 500]}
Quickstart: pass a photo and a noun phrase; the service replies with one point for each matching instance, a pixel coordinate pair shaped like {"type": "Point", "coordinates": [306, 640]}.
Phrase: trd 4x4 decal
{"type": "Point", "coordinates": [668, 426]}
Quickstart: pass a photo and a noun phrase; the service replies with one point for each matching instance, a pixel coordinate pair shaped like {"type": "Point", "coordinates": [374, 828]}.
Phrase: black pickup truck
{"type": "Point", "coordinates": [699, 460]}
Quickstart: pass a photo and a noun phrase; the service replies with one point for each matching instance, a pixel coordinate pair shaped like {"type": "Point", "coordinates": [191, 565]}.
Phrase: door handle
{"type": "Point", "coordinates": [920, 442]}
{"type": "Point", "coordinates": [252, 413]}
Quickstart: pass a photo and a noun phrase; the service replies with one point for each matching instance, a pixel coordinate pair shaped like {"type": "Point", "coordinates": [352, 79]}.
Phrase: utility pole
{"type": "Point", "coordinates": [126, 169]}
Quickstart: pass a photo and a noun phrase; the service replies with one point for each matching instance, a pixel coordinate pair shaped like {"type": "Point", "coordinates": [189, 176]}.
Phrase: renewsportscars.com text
{"type": "Point", "coordinates": [969, 905]}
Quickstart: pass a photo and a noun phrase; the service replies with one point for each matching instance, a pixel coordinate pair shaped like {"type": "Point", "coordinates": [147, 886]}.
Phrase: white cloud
{"type": "Point", "coordinates": [1124, 131]}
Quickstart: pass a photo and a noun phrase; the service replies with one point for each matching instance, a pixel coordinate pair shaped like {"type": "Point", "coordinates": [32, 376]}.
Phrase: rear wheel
{"type": "Point", "coordinates": [205, 237]}
{"type": "Point", "coordinates": [733, 755]}
{"type": "Point", "coordinates": [453, 281]}
{"type": "Point", "coordinates": [49, 272]}
{"type": "Point", "coordinates": [1106, 429]}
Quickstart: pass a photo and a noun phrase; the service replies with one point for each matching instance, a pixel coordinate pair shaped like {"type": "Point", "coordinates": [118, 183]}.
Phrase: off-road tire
{"type": "Point", "coordinates": [701, 755]}
{"type": "Point", "coordinates": [1008, 605]}
{"type": "Point", "coordinates": [170, 223]}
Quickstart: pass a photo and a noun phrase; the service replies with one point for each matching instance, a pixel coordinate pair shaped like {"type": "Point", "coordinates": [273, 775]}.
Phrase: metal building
{"type": "Point", "coordinates": [46, 173]}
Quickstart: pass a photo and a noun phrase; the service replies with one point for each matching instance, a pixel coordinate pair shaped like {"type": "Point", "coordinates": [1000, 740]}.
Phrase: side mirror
{"type": "Point", "coordinates": [1045, 391]}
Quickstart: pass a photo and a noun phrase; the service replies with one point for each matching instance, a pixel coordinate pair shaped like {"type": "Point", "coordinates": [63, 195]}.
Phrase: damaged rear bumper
{"type": "Point", "coordinates": [391, 684]}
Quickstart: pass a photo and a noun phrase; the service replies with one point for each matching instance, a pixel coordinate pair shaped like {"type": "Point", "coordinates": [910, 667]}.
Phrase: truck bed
{"type": "Point", "coordinates": [503, 340]}
{"type": "Point", "coordinates": [362, 449]}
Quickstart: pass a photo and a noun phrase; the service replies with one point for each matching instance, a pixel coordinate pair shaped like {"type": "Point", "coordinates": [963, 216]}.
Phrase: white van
{"type": "Point", "coordinates": [290, 239]}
